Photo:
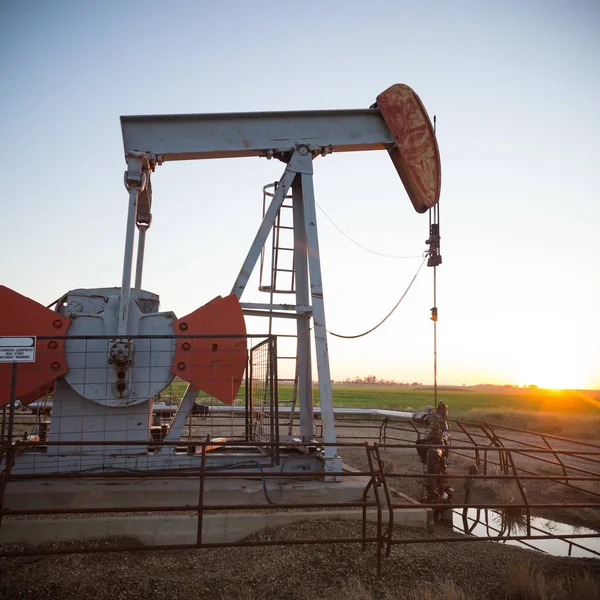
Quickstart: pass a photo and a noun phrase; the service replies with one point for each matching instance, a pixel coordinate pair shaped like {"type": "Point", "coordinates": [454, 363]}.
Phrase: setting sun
{"type": "Point", "coordinates": [557, 373]}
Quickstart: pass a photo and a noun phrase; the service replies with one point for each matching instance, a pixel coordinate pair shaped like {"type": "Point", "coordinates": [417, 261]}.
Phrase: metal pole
{"type": "Point", "coordinates": [303, 364]}
{"type": "Point", "coordinates": [435, 381]}
{"type": "Point", "coordinates": [142, 229]}
{"type": "Point", "coordinates": [13, 396]}
{"type": "Point", "coordinates": [3, 424]}
{"type": "Point", "coordinates": [128, 260]}
{"type": "Point", "coordinates": [320, 329]}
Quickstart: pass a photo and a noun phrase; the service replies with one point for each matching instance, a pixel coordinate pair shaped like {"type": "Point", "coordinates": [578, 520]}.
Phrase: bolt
{"type": "Point", "coordinates": [55, 366]}
{"type": "Point", "coordinates": [121, 387]}
{"type": "Point", "coordinates": [183, 326]}
{"type": "Point", "coordinates": [121, 374]}
{"type": "Point", "coordinates": [181, 366]}
{"type": "Point", "coordinates": [57, 324]}
{"type": "Point", "coordinates": [52, 345]}
{"type": "Point", "coordinates": [185, 346]}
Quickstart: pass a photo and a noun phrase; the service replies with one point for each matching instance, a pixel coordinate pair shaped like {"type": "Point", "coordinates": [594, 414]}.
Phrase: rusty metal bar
{"type": "Point", "coordinates": [201, 497]}
{"type": "Point", "coordinates": [572, 453]}
{"type": "Point", "coordinates": [477, 460]}
{"type": "Point", "coordinates": [5, 476]}
{"type": "Point", "coordinates": [295, 444]}
{"type": "Point", "coordinates": [388, 499]}
{"type": "Point", "coordinates": [370, 484]}
{"type": "Point", "coordinates": [214, 507]}
{"type": "Point", "coordinates": [187, 508]}
{"type": "Point", "coordinates": [382, 430]}
{"type": "Point", "coordinates": [495, 505]}
{"type": "Point", "coordinates": [557, 458]}
{"type": "Point", "coordinates": [522, 491]}
{"type": "Point", "coordinates": [558, 478]}
{"type": "Point", "coordinates": [495, 441]}
{"type": "Point", "coordinates": [491, 538]}
{"type": "Point", "coordinates": [549, 435]}
{"type": "Point", "coordinates": [551, 462]}
{"type": "Point", "coordinates": [364, 513]}
{"type": "Point", "coordinates": [379, 514]}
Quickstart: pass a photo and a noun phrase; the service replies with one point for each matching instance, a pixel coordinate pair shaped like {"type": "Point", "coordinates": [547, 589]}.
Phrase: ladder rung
{"type": "Point", "coordinates": [284, 227]}
{"type": "Point", "coordinates": [287, 206]}
{"type": "Point", "coordinates": [285, 270]}
{"type": "Point", "coordinates": [287, 357]}
{"type": "Point", "coordinates": [282, 248]}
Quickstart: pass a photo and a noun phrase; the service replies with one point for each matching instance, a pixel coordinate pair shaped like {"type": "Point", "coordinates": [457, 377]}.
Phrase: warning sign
{"type": "Point", "coordinates": [17, 349]}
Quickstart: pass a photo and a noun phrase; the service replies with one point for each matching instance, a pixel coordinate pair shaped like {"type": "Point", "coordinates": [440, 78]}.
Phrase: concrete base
{"type": "Point", "coordinates": [181, 529]}
{"type": "Point", "coordinates": [144, 493]}
{"type": "Point", "coordinates": [163, 529]}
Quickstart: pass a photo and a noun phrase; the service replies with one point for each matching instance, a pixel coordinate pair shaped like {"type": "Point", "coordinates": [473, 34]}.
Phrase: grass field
{"type": "Point", "coordinates": [567, 412]}
{"type": "Point", "coordinates": [460, 399]}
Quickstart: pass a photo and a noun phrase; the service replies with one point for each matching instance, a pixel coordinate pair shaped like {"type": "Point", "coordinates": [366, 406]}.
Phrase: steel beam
{"type": "Point", "coordinates": [140, 256]}
{"type": "Point", "coordinates": [307, 425]}
{"type": "Point", "coordinates": [185, 406]}
{"type": "Point", "coordinates": [333, 463]}
{"type": "Point", "coordinates": [228, 135]}
{"type": "Point", "coordinates": [135, 182]}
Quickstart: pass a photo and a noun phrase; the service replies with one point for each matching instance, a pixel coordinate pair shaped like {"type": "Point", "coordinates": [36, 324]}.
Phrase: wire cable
{"type": "Point", "coordinates": [352, 337]}
{"type": "Point", "coordinates": [358, 243]}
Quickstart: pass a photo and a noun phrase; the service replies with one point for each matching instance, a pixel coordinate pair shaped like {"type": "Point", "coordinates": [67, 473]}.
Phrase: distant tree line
{"type": "Point", "coordinates": [372, 379]}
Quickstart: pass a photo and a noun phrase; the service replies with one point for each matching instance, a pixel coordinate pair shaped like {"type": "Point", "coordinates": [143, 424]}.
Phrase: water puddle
{"type": "Point", "coordinates": [493, 523]}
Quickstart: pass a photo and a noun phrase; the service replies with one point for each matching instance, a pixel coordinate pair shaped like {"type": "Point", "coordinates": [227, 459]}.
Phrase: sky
{"type": "Point", "coordinates": [515, 86]}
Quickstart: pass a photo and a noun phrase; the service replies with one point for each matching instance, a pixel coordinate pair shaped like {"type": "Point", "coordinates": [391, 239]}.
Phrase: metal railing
{"type": "Point", "coordinates": [376, 495]}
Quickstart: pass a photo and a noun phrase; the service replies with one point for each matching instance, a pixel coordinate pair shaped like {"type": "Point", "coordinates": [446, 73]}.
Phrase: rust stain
{"type": "Point", "coordinates": [416, 155]}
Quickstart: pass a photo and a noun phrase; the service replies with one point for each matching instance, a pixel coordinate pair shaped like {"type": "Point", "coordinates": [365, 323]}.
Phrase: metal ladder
{"type": "Point", "coordinates": [276, 248]}
{"type": "Point", "coordinates": [269, 282]}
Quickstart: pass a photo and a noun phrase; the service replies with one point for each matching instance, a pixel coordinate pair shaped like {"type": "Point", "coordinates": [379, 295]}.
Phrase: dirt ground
{"type": "Point", "coordinates": [405, 460]}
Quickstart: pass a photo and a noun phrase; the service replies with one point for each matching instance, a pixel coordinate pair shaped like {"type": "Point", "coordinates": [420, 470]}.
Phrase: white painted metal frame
{"type": "Point", "coordinates": [295, 137]}
{"type": "Point", "coordinates": [309, 294]}
{"type": "Point", "coordinates": [227, 135]}
{"type": "Point", "coordinates": [309, 288]}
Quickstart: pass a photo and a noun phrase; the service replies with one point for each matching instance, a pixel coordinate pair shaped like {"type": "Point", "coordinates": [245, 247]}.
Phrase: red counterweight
{"type": "Point", "coordinates": [213, 364]}
{"type": "Point", "coordinates": [21, 316]}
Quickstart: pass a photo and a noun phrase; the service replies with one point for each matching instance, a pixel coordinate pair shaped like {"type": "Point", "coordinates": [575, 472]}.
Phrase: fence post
{"type": "Point", "coordinates": [201, 493]}
{"type": "Point", "coordinates": [13, 397]}
{"type": "Point", "coordinates": [388, 499]}
{"type": "Point", "coordinates": [376, 484]}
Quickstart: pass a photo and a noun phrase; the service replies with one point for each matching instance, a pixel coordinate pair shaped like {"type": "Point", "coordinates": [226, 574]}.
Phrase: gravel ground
{"type": "Point", "coordinates": [296, 572]}
{"type": "Point", "coordinates": [286, 572]}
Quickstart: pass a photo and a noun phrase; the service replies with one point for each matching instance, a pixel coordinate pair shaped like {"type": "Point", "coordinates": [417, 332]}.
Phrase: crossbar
{"type": "Point", "coordinates": [231, 135]}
